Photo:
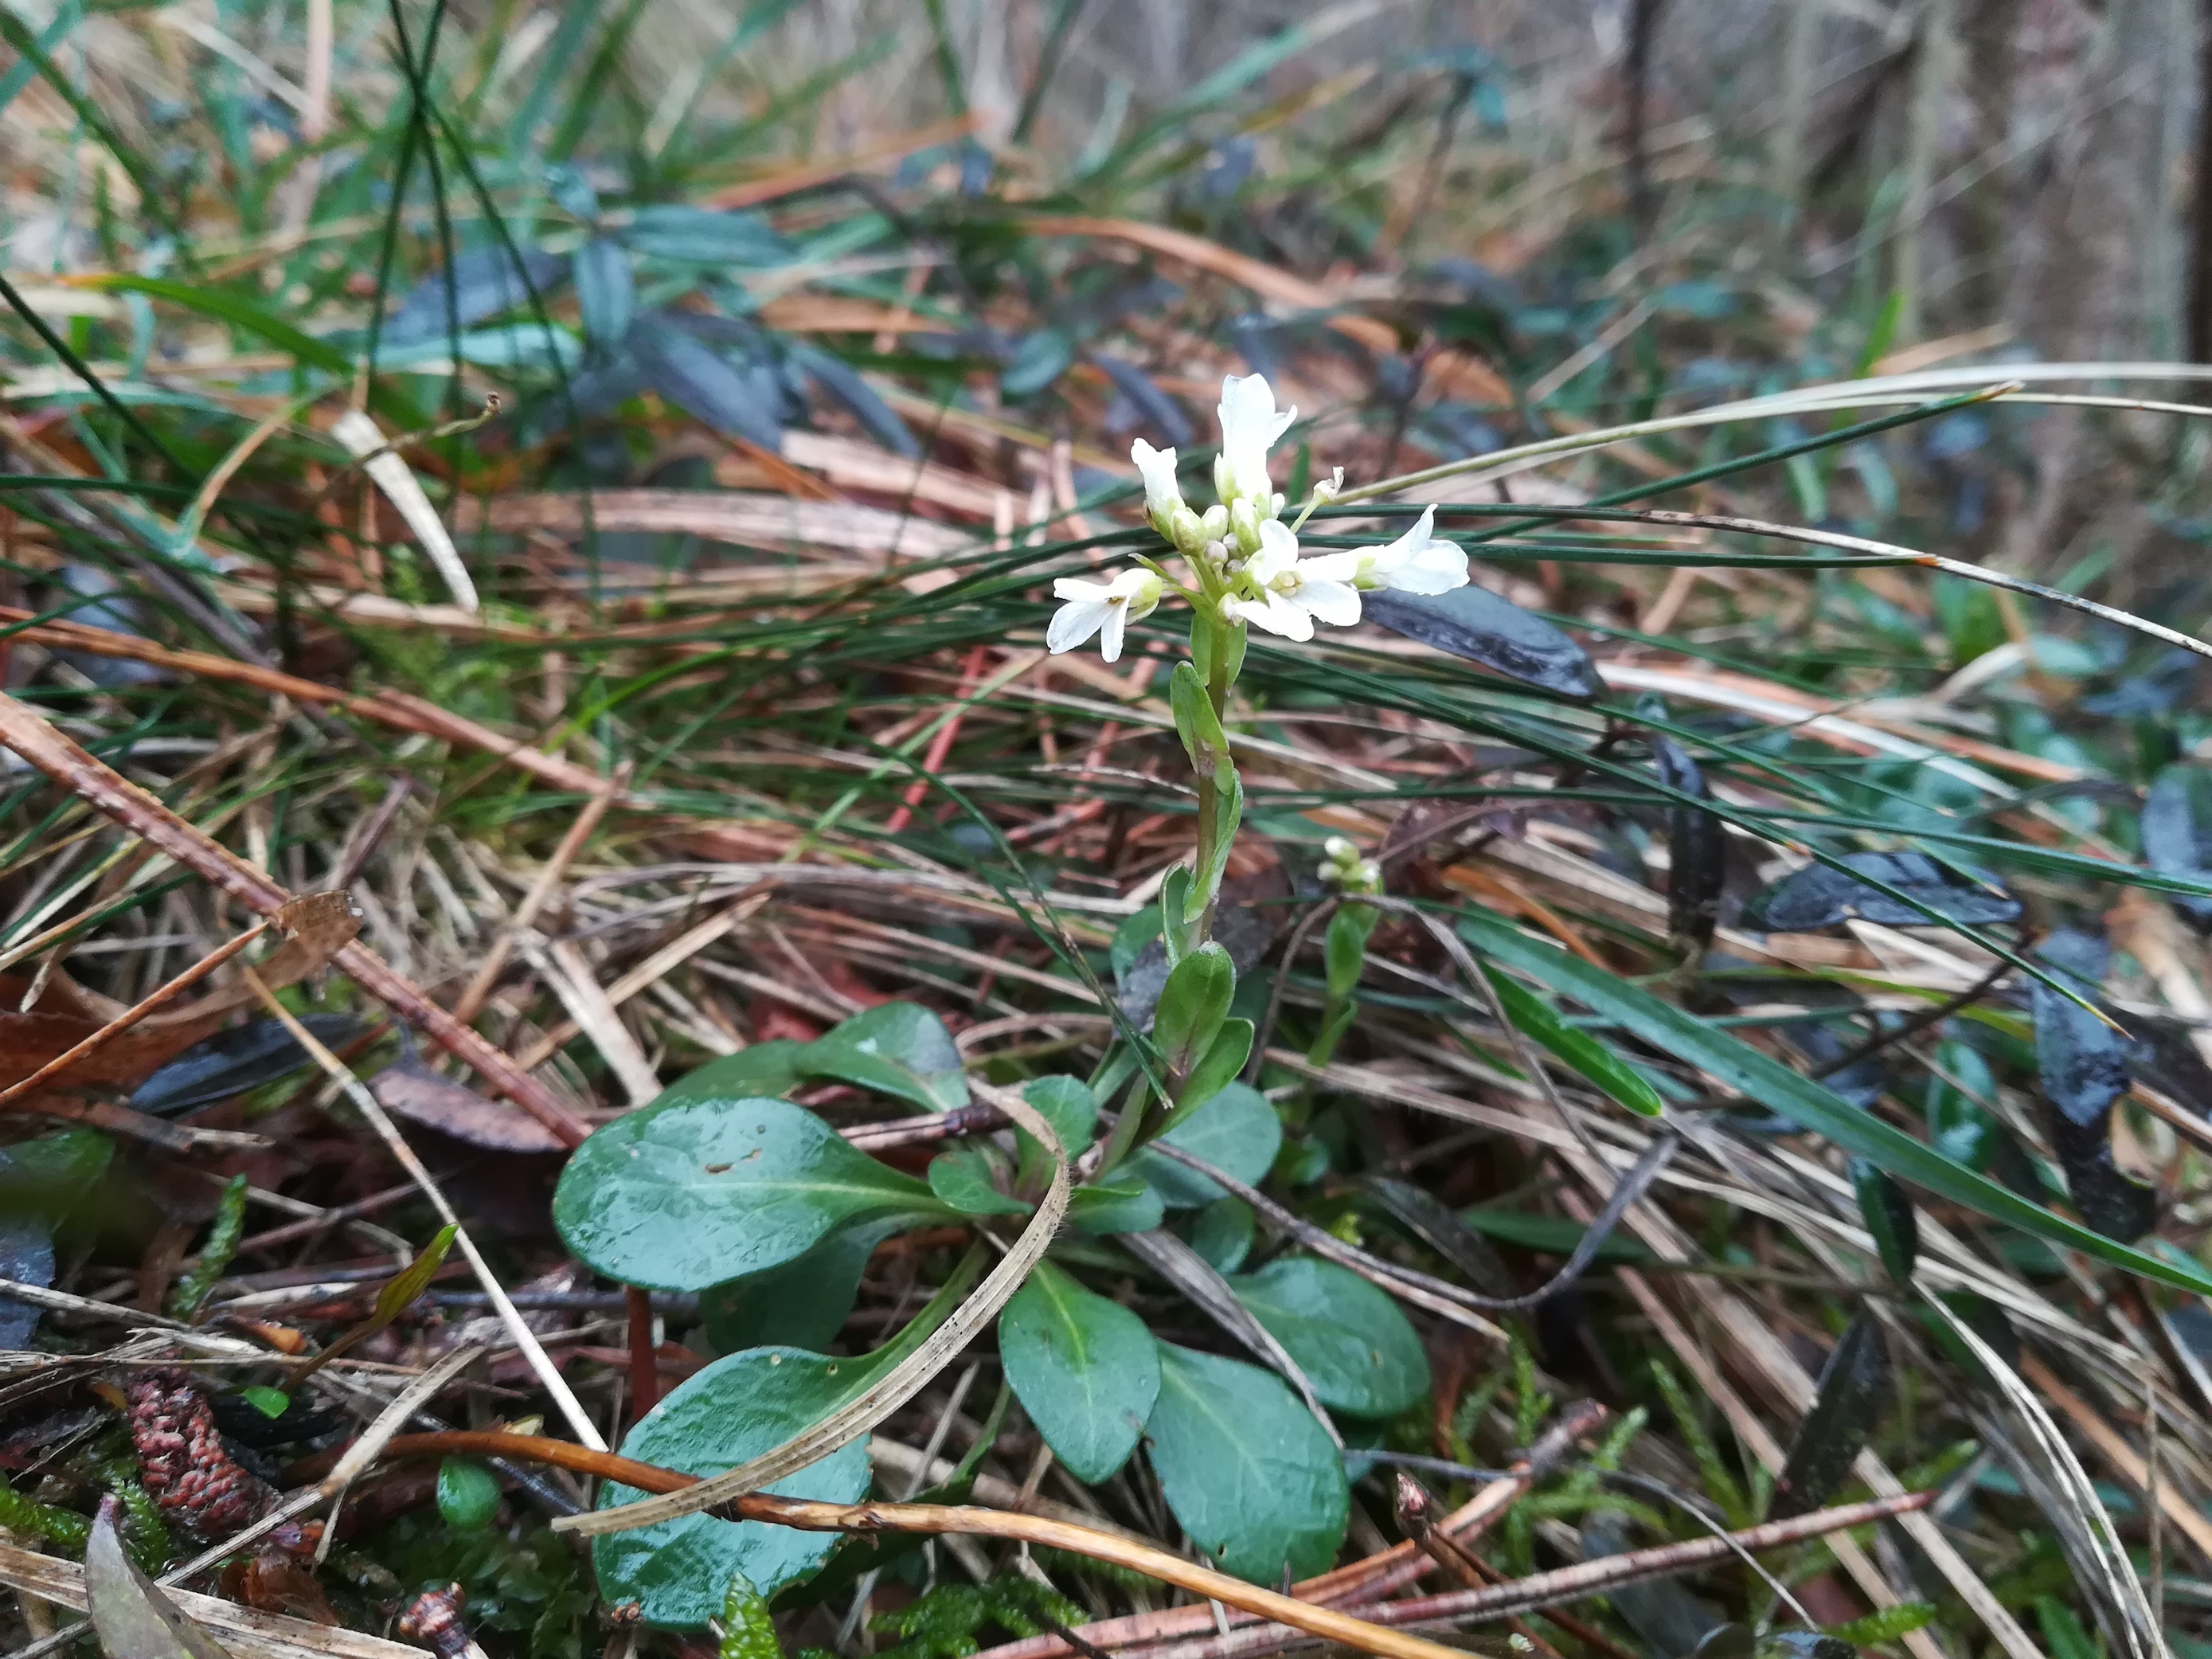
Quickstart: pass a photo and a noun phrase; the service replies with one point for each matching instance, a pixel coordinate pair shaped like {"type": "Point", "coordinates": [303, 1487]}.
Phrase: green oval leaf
{"type": "Point", "coordinates": [804, 1302]}
{"type": "Point", "coordinates": [1193, 1004]}
{"type": "Point", "coordinates": [898, 1049]}
{"type": "Point", "coordinates": [1085, 1369]}
{"type": "Point", "coordinates": [962, 1177]}
{"type": "Point", "coordinates": [692, 1194]}
{"type": "Point", "coordinates": [1357, 1349]}
{"type": "Point", "coordinates": [1237, 1132]}
{"type": "Point", "coordinates": [1246, 1469]}
{"type": "Point", "coordinates": [468, 1494]}
{"type": "Point", "coordinates": [737, 1408]}
{"type": "Point", "coordinates": [763, 1070]}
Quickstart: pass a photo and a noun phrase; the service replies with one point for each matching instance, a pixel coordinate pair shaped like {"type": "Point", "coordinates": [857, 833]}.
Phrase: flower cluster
{"type": "Point", "coordinates": [1342, 868]}
{"type": "Point", "coordinates": [1244, 557]}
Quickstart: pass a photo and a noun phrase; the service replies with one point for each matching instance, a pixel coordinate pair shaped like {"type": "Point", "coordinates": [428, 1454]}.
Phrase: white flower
{"type": "Point", "coordinates": [1162, 497]}
{"type": "Point", "coordinates": [1101, 608]}
{"type": "Point", "coordinates": [1417, 562]}
{"type": "Point", "coordinates": [1290, 593]}
{"type": "Point", "coordinates": [1249, 427]}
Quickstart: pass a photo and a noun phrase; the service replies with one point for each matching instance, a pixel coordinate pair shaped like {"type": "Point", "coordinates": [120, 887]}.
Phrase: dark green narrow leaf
{"type": "Point", "coordinates": [2082, 1063]}
{"type": "Point", "coordinates": [1697, 849]}
{"type": "Point", "coordinates": [1835, 1431]}
{"type": "Point", "coordinates": [1476, 623]}
{"type": "Point", "coordinates": [1889, 1216]}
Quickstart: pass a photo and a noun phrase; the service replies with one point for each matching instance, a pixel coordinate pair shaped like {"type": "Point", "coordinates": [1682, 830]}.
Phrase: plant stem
{"type": "Point", "coordinates": [1217, 682]}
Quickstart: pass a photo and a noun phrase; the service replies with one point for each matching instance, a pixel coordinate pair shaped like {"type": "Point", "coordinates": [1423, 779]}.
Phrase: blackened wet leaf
{"type": "Point", "coordinates": [2176, 833]}
{"type": "Point", "coordinates": [1890, 1217]}
{"type": "Point", "coordinates": [1159, 411]}
{"type": "Point", "coordinates": [1835, 1430]}
{"type": "Point", "coordinates": [842, 384]}
{"type": "Point", "coordinates": [1807, 1644]}
{"type": "Point", "coordinates": [485, 282]}
{"type": "Point", "coordinates": [1697, 847]}
{"type": "Point", "coordinates": [1245, 931]}
{"type": "Point", "coordinates": [242, 1420]}
{"type": "Point", "coordinates": [1986, 1319]}
{"type": "Point", "coordinates": [692, 376]}
{"type": "Point", "coordinates": [2164, 1055]}
{"type": "Point", "coordinates": [1821, 895]}
{"type": "Point", "coordinates": [27, 1255]}
{"type": "Point", "coordinates": [1437, 1226]}
{"type": "Point", "coordinates": [1476, 623]}
{"type": "Point", "coordinates": [1862, 1082]}
{"type": "Point", "coordinates": [1670, 1619]}
{"type": "Point", "coordinates": [2083, 1064]}
{"type": "Point", "coordinates": [231, 1062]}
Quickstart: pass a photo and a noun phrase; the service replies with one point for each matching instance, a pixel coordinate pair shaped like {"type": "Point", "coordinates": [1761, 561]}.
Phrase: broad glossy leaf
{"type": "Point", "coordinates": [1958, 1124]}
{"type": "Point", "coordinates": [1890, 1218]}
{"type": "Point", "coordinates": [1237, 1132]}
{"type": "Point", "coordinates": [702, 236]}
{"type": "Point", "coordinates": [736, 1408]}
{"type": "Point", "coordinates": [2176, 833]}
{"type": "Point", "coordinates": [1121, 1203]}
{"type": "Point", "coordinates": [1085, 1369]}
{"type": "Point", "coordinates": [680, 1196]}
{"type": "Point", "coordinates": [762, 1071]}
{"type": "Point", "coordinates": [1697, 847]}
{"type": "Point", "coordinates": [1067, 1103]}
{"type": "Point", "coordinates": [962, 1179]}
{"type": "Point", "coordinates": [1761, 1078]}
{"type": "Point", "coordinates": [1853, 1386]}
{"type": "Point", "coordinates": [1821, 895]}
{"type": "Point", "coordinates": [2083, 1064]}
{"type": "Point", "coordinates": [1222, 1234]}
{"type": "Point", "coordinates": [1355, 1347]}
{"type": "Point", "coordinates": [134, 1616]}
{"type": "Point", "coordinates": [803, 1302]}
{"type": "Point", "coordinates": [42, 1181]}
{"type": "Point", "coordinates": [232, 1061]}
{"type": "Point", "coordinates": [1533, 1017]}
{"type": "Point", "coordinates": [1245, 1469]}
{"type": "Point", "coordinates": [27, 1255]}
{"type": "Point", "coordinates": [1473, 622]}
{"type": "Point", "coordinates": [690, 375]}
{"type": "Point", "coordinates": [898, 1048]}
{"type": "Point", "coordinates": [1216, 1069]}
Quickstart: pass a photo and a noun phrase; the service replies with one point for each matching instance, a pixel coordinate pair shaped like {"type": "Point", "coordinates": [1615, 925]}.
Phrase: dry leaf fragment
{"type": "Point", "coordinates": [135, 1617]}
{"type": "Point", "coordinates": [410, 1088]}
{"type": "Point", "coordinates": [397, 480]}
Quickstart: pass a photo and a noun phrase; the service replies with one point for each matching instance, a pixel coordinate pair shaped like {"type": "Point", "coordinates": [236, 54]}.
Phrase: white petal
{"type": "Point", "coordinates": [1277, 614]}
{"type": "Point", "coordinates": [1110, 637]}
{"type": "Point", "coordinates": [1335, 603]}
{"type": "Point", "coordinates": [1440, 567]}
{"type": "Point", "coordinates": [1075, 588]}
{"type": "Point", "coordinates": [1074, 623]}
{"type": "Point", "coordinates": [1249, 427]}
{"type": "Point", "coordinates": [1279, 551]}
{"type": "Point", "coordinates": [1330, 567]}
{"type": "Point", "coordinates": [1162, 495]}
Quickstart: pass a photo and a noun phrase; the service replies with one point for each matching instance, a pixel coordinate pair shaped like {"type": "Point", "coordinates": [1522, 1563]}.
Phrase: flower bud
{"type": "Point", "coordinates": [1244, 521]}
{"type": "Point", "coordinates": [1216, 522]}
{"type": "Point", "coordinates": [1224, 481]}
{"type": "Point", "coordinates": [1339, 849]}
{"type": "Point", "coordinates": [1185, 530]}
